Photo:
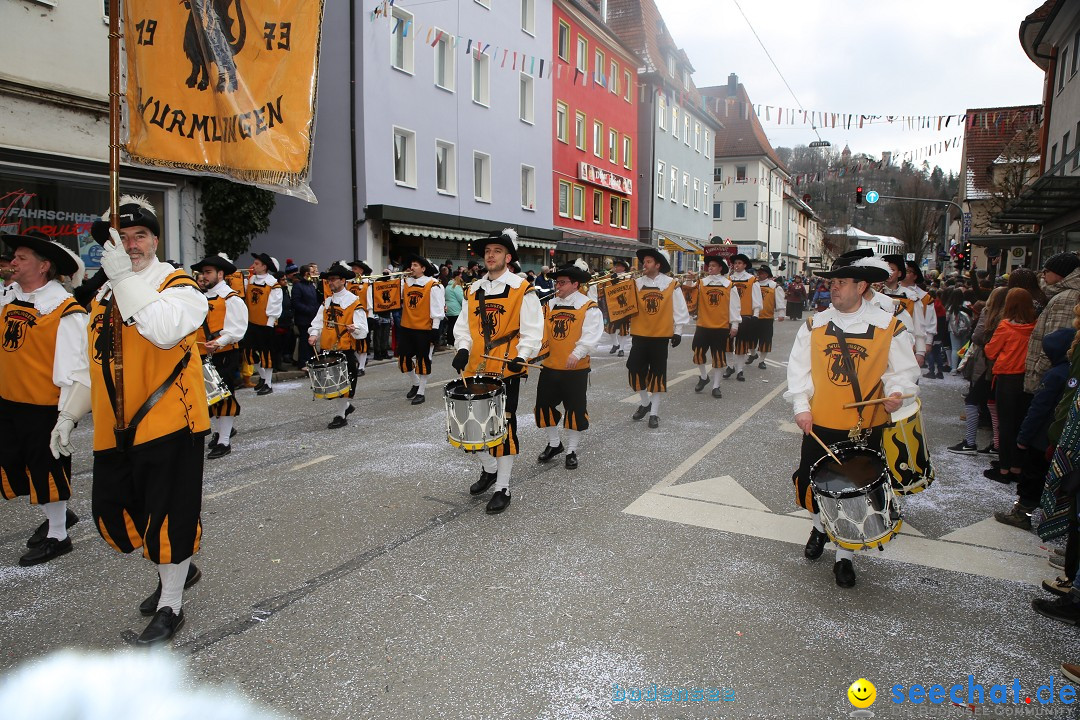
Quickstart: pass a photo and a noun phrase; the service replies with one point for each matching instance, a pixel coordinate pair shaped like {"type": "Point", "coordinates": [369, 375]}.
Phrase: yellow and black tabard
{"type": "Point", "coordinates": [236, 282]}
{"type": "Point", "coordinates": [28, 352]}
{"type": "Point", "coordinates": [714, 306]}
{"type": "Point", "coordinates": [215, 320]}
{"type": "Point", "coordinates": [502, 318]}
{"type": "Point", "coordinates": [746, 294]}
{"type": "Point", "coordinates": [257, 299]}
{"type": "Point", "coordinates": [335, 336]}
{"type": "Point", "coordinates": [416, 305]}
{"type": "Point", "coordinates": [903, 300]}
{"type": "Point", "coordinates": [869, 353]}
{"type": "Point", "coordinates": [146, 367]}
{"type": "Point", "coordinates": [359, 288]}
{"type": "Point", "coordinates": [656, 312]}
{"type": "Point", "coordinates": [768, 301]}
{"type": "Point", "coordinates": [562, 331]}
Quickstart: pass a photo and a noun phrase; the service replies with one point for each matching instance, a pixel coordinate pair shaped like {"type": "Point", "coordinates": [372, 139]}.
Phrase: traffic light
{"type": "Point", "coordinates": [858, 195]}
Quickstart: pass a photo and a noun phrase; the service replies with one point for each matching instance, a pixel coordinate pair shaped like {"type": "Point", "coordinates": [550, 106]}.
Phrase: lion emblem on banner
{"type": "Point", "coordinates": [209, 38]}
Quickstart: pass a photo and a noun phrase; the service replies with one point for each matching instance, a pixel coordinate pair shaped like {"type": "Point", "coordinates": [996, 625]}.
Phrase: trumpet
{"type": "Point", "coordinates": [615, 277]}
{"type": "Point", "coordinates": [376, 277]}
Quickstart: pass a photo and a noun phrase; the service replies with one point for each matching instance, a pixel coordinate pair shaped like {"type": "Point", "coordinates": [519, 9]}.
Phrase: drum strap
{"type": "Point", "coordinates": [849, 365]}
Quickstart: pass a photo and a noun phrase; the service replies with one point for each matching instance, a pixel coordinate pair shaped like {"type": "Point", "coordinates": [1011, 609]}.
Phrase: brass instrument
{"type": "Point", "coordinates": [618, 277]}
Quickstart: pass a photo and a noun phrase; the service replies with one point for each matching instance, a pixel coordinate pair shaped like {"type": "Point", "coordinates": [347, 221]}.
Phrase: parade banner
{"type": "Point", "coordinates": [224, 87]}
{"type": "Point", "coordinates": [690, 292]}
{"type": "Point", "coordinates": [386, 295]}
{"type": "Point", "coordinates": [622, 300]}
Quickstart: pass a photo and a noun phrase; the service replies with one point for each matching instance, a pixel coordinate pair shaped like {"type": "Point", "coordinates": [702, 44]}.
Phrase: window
{"type": "Point", "coordinates": [528, 16]}
{"type": "Point", "coordinates": [1064, 67]}
{"type": "Point", "coordinates": [628, 85]}
{"type": "Point", "coordinates": [561, 131]}
{"type": "Point", "coordinates": [613, 211]}
{"type": "Point", "coordinates": [613, 78]}
{"type": "Point", "coordinates": [528, 187]}
{"type": "Point", "coordinates": [674, 186]}
{"type": "Point", "coordinates": [525, 98]}
{"type": "Point", "coordinates": [613, 146]}
{"type": "Point", "coordinates": [697, 194]}
{"type": "Point", "coordinates": [671, 65]}
{"type": "Point", "coordinates": [706, 149]}
{"type": "Point", "coordinates": [579, 130]}
{"type": "Point", "coordinates": [661, 112]}
{"type": "Point", "coordinates": [686, 129]}
{"type": "Point", "coordinates": [445, 62]}
{"type": "Point", "coordinates": [740, 210]}
{"type": "Point", "coordinates": [718, 211]}
{"type": "Point", "coordinates": [482, 177]}
{"type": "Point", "coordinates": [1053, 155]}
{"type": "Point", "coordinates": [564, 198]}
{"type": "Point", "coordinates": [582, 54]}
{"type": "Point", "coordinates": [401, 40]}
{"type": "Point", "coordinates": [675, 122]}
{"type": "Point", "coordinates": [686, 189]}
{"type": "Point", "coordinates": [598, 206]}
{"type": "Point", "coordinates": [1075, 50]}
{"type": "Point", "coordinates": [661, 179]}
{"type": "Point", "coordinates": [404, 157]}
{"type": "Point", "coordinates": [706, 196]}
{"type": "Point", "coordinates": [740, 173]}
{"type": "Point", "coordinates": [598, 138]}
{"type": "Point", "coordinates": [686, 79]}
{"type": "Point", "coordinates": [1065, 146]}
{"type": "Point", "coordinates": [697, 136]}
{"type": "Point", "coordinates": [718, 173]}
{"type": "Point", "coordinates": [481, 78]}
{"type": "Point", "coordinates": [579, 202]}
{"type": "Point", "coordinates": [564, 41]}
{"type": "Point", "coordinates": [598, 68]}
{"type": "Point", "coordinates": [626, 148]}
{"type": "Point", "coordinates": [445, 168]}
{"type": "Point", "coordinates": [625, 224]}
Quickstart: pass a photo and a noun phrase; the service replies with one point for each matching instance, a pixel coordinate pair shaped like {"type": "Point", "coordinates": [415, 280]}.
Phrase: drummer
{"type": "Point", "coordinates": [224, 327]}
{"type": "Point", "coordinates": [821, 381]}
{"type": "Point", "coordinates": [337, 328]}
{"type": "Point", "coordinates": [505, 320]}
{"type": "Point", "coordinates": [361, 288]}
{"type": "Point", "coordinates": [572, 330]}
{"type": "Point", "coordinates": [619, 330]}
{"type": "Point", "coordinates": [423, 307]}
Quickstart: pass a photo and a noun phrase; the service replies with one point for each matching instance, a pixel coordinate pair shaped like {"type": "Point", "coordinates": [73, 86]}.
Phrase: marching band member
{"type": "Point", "coordinates": [43, 359]}
{"type": "Point", "coordinates": [339, 326]}
{"type": "Point", "coordinates": [263, 296]}
{"type": "Point", "coordinates": [423, 306]}
{"type": "Point", "coordinates": [718, 320]}
{"type": "Point", "coordinates": [773, 305]}
{"type": "Point", "coordinates": [504, 319]}
{"type": "Point", "coordinates": [750, 299]}
{"type": "Point", "coordinates": [148, 474]}
{"type": "Point", "coordinates": [219, 337]}
{"type": "Point", "coordinates": [822, 377]}
{"type": "Point", "coordinates": [572, 330]}
{"type": "Point", "coordinates": [908, 298]}
{"type": "Point", "coordinates": [660, 320]}
{"type": "Point", "coordinates": [620, 330]}
{"type": "Point", "coordinates": [361, 288]}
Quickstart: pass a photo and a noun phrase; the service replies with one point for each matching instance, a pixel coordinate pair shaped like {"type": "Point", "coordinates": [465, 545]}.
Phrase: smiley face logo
{"type": "Point", "coordinates": [862, 693]}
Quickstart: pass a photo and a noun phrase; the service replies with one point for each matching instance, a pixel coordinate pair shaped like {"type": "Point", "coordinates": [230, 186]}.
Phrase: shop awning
{"type": "Point", "coordinates": [679, 244]}
{"type": "Point", "coordinates": [435, 232]}
{"type": "Point", "coordinates": [1047, 198]}
{"type": "Point", "coordinates": [1005, 240]}
{"type": "Point", "coordinates": [537, 244]}
{"type": "Point", "coordinates": [615, 247]}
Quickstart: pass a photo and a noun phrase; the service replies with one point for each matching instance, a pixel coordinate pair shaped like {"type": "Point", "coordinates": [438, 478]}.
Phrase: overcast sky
{"type": "Point", "coordinates": [914, 57]}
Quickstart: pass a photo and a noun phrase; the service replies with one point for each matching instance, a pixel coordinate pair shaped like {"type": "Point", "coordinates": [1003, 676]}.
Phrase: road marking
{"type": "Point", "coordinates": [775, 363]}
{"type": "Point", "coordinates": [684, 375]}
{"type": "Point", "coordinates": [309, 463]}
{"type": "Point", "coordinates": [245, 486]}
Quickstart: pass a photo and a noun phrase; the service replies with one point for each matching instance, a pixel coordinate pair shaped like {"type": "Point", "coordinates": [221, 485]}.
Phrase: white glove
{"type": "Point", "coordinates": [77, 402]}
{"type": "Point", "coordinates": [60, 437]}
{"type": "Point", "coordinates": [114, 259]}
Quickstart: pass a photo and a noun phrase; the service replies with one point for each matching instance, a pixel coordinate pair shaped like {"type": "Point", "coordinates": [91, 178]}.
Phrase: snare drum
{"type": "Point", "coordinates": [909, 460]}
{"type": "Point", "coordinates": [216, 389]}
{"type": "Point", "coordinates": [329, 375]}
{"type": "Point", "coordinates": [859, 508]}
{"type": "Point", "coordinates": [475, 412]}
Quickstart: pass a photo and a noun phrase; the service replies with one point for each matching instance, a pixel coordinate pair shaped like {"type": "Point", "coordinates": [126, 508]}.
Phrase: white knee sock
{"type": "Point", "coordinates": [213, 424]}
{"type": "Point", "coordinates": [655, 409]}
{"type": "Point", "coordinates": [225, 424]}
{"type": "Point", "coordinates": [267, 374]}
{"type": "Point", "coordinates": [816, 517]}
{"type": "Point", "coordinates": [342, 405]}
{"type": "Point", "coordinates": [56, 513]}
{"type": "Point", "coordinates": [423, 384]}
{"type": "Point", "coordinates": [489, 462]}
{"type": "Point", "coordinates": [762, 355]}
{"type": "Point", "coordinates": [644, 397]}
{"type": "Point", "coordinates": [716, 376]}
{"type": "Point", "coordinates": [361, 360]}
{"type": "Point", "coordinates": [616, 340]}
{"type": "Point", "coordinates": [573, 437]}
{"type": "Point", "coordinates": [703, 371]}
{"type": "Point", "coordinates": [506, 464]}
{"type": "Point", "coordinates": [414, 379]}
{"type": "Point", "coordinates": [553, 436]}
{"type": "Point", "coordinates": [172, 585]}
{"type": "Point", "coordinates": [844, 554]}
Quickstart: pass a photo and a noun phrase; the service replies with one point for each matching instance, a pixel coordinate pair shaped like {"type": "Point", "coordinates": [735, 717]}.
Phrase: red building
{"type": "Point", "coordinates": [594, 155]}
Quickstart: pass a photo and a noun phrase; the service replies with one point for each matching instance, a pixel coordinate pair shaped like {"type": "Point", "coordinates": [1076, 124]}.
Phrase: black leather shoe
{"type": "Point", "coordinates": [149, 606]}
{"type": "Point", "coordinates": [716, 393]}
{"type": "Point", "coordinates": [740, 377]}
{"type": "Point", "coordinates": [641, 412]}
{"type": "Point", "coordinates": [162, 627]}
{"type": "Point", "coordinates": [701, 383]}
{"type": "Point", "coordinates": [412, 391]}
{"type": "Point", "coordinates": [845, 573]}
{"type": "Point", "coordinates": [549, 452]}
{"type": "Point", "coordinates": [219, 451]}
{"type": "Point", "coordinates": [42, 531]}
{"type": "Point", "coordinates": [614, 349]}
{"type": "Point", "coordinates": [336, 423]}
{"type": "Point", "coordinates": [259, 385]}
{"type": "Point", "coordinates": [995, 474]}
{"type": "Point", "coordinates": [350, 410]}
{"type": "Point", "coordinates": [213, 441]}
{"type": "Point", "coordinates": [750, 360]}
{"type": "Point", "coordinates": [49, 548]}
{"type": "Point", "coordinates": [654, 422]}
{"type": "Point", "coordinates": [264, 390]}
{"type": "Point", "coordinates": [418, 400]}
{"type": "Point", "coordinates": [762, 366]}
{"type": "Point", "coordinates": [815, 545]}
{"type": "Point", "coordinates": [571, 461]}
{"type": "Point", "coordinates": [498, 502]}
{"type": "Point", "coordinates": [729, 372]}
{"type": "Point", "coordinates": [361, 372]}
{"type": "Point", "coordinates": [621, 353]}
{"type": "Point", "coordinates": [481, 486]}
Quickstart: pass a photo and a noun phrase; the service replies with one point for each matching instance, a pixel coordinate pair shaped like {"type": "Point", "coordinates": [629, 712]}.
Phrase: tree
{"type": "Point", "coordinates": [1013, 170]}
{"type": "Point", "coordinates": [232, 215]}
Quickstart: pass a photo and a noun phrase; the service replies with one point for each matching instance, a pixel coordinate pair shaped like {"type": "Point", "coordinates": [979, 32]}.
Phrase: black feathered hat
{"type": "Point", "coordinates": [746, 261]}
{"type": "Point", "coordinates": [717, 259]}
{"type": "Point", "coordinates": [656, 255]}
{"type": "Point", "coordinates": [269, 262]}
{"type": "Point", "coordinates": [765, 269]}
{"type": "Point", "coordinates": [362, 265]}
{"type": "Point", "coordinates": [573, 272]}
{"type": "Point", "coordinates": [63, 260]}
{"type": "Point", "coordinates": [409, 259]}
{"type": "Point", "coordinates": [215, 261]}
{"type": "Point", "coordinates": [340, 271]}
{"type": "Point", "coordinates": [506, 237]}
{"type": "Point", "coordinates": [133, 211]}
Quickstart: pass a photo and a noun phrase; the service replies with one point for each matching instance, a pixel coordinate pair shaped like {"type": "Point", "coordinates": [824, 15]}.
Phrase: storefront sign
{"type": "Point", "coordinates": [599, 176]}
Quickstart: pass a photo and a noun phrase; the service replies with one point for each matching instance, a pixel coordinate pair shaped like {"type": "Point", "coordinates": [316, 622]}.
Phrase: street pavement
{"type": "Point", "coordinates": [349, 574]}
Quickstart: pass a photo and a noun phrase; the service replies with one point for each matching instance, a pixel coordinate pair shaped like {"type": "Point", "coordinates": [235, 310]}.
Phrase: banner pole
{"type": "Point", "coordinates": [114, 197]}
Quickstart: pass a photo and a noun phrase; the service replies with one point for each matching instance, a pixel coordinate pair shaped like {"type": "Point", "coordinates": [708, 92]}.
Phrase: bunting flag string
{"type": "Point", "coordinates": [996, 120]}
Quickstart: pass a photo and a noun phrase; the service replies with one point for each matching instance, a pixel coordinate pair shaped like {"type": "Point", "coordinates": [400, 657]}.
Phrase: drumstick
{"type": "Point", "coordinates": [826, 447]}
{"type": "Point", "coordinates": [510, 360]}
{"type": "Point", "coordinates": [849, 406]}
